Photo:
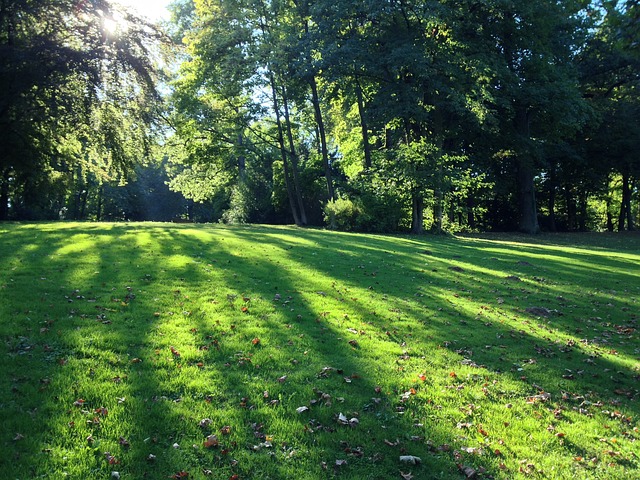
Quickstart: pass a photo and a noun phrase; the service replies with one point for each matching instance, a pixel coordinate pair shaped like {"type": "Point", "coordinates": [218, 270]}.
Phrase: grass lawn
{"type": "Point", "coordinates": [161, 351]}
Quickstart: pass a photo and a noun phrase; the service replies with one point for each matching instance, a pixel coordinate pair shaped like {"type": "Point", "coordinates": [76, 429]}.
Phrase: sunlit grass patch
{"type": "Point", "coordinates": [272, 352]}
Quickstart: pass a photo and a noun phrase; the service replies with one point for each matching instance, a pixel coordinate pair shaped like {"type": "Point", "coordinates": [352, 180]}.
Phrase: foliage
{"type": "Point", "coordinates": [343, 214]}
{"type": "Point", "coordinates": [77, 97]}
{"type": "Point", "coordinates": [461, 115]}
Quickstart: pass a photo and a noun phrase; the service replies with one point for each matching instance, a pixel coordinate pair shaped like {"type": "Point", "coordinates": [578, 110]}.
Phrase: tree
{"type": "Point", "coordinates": [77, 87]}
{"type": "Point", "coordinates": [610, 66]}
{"type": "Point", "coordinates": [529, 48]}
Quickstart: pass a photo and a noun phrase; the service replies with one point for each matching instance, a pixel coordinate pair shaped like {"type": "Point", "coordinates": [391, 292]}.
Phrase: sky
{"type": "Point", "coordinates": [153, 9]}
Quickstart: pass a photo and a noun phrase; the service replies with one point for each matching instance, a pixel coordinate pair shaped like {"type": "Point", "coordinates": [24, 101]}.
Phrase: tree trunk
{"type": "Point", "coordinates": [552, 201]}
{"type": "Point", "coordinates": [630, 222]}
{"type": "Point", "coordinates": [439, 199]}
{"type": "Point", "coordinates": [582, 211]}
{"type": "Point", "coordinates": [417, 213]}
{"type": "Point", "coordinates": [294, 159]}
{"type": "Point", "coordinates": [99, 203]}
{"type": "Point", "coordinates": [323, 137]}
{"type": "Point", "coordinates": [569, 199]}
{"type": "Point", "coordinates": [626, 215]}
{"type": "Point", "coordinates": [83, 203]}
{"type": "Point", "coordinates": [242, 161]}
{"type": "Point", "coordinates": [363, 125]}
{"type": "Point", "coordinates": [609, 216]}
{"type": "Point", "coordinates": [528, 221]}
{"type": "Point", "coordinates": [303, 8]}
{"type": "Point", "coordinates": [283, 152]}
{"type": "Point", "coordinates": [527, 198]}
{"type": "Point", "coordinates": [438, 134]}
{"type": "Point", "coordinates": [4, 195]}
{"type": "Point", "coordinates": [471, 219]}
{"type": "Point", "coordinates": [552, 210]}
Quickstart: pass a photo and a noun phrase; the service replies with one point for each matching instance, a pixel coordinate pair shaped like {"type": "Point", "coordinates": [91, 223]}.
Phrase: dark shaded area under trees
{"type": "Point", "coordinates": [366, 116]}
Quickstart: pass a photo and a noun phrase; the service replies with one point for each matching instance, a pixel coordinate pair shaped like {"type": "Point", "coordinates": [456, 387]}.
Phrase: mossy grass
{"type": "Point", "coordinates": [157, 351]}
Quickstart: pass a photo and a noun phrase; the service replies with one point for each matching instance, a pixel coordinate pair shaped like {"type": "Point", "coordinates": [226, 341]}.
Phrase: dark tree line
{"type": "Point", "coordinates": [383, 115]}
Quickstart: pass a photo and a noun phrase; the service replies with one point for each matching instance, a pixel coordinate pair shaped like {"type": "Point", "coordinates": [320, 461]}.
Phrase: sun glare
{"type": "Point", "coordinates": [115, 24]}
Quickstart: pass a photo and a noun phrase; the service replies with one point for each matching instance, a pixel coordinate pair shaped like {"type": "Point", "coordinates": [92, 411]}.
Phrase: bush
{"type": "Point", "coordinates": [364, 214]}
{"type": "Point", "coordinates": [341, 214]}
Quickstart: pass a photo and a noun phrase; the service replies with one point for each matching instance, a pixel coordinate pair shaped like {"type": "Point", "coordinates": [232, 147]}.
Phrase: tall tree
{"type": "Point", "coordinates": [530, 49]}
{"type": "Point", "coordinates": [610, 64]}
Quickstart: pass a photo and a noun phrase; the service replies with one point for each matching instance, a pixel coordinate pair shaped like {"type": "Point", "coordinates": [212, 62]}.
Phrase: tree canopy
{"type": "Point", "coordinates": [78, 99]}
{"type": "Point", "coordinates": [372, 116]}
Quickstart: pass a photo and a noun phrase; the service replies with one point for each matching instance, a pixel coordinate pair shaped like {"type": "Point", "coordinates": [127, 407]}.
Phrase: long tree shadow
{"type": "Point", "coordinates": [135, 412]}
{"type": "Point", "coordinates": [169, 328]}
{"type": "Point", "coordinates": [571, 369]}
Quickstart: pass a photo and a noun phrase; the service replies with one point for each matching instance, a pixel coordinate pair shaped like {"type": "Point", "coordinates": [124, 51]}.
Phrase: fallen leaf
{"type": "Point", "coordinates": [211, 441]}
{"type": "Point", "coordinates": [256, 341]}
{"type": "Point", "coordinates": [410, 459]}
{"type": "Point", "coordinates": [543, 397]}
{"type": "Point", "coordinates": [205, 422]}
{"type": "Point", "coordinates": [468, 471]}
{"type": "Point", "coordinates": [179, 475]}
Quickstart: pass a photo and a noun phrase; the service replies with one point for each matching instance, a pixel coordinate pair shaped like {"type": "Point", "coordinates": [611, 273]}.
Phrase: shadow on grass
{"type": "Point", "coordinates": [312, 300]}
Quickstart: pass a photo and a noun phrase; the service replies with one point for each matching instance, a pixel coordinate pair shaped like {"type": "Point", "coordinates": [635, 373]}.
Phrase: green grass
{"type": "Point", "coordinates": [126, 347]}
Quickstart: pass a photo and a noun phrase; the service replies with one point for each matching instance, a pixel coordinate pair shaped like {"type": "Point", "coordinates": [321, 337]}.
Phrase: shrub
{"type": "Point", "coordinates": [367, 213]}
{"type": "Point", "coordinates": [341, 214]}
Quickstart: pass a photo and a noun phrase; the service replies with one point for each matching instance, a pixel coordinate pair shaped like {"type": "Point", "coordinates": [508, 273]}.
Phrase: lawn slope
{"type": "Point", "coordinates": [185, 351]}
